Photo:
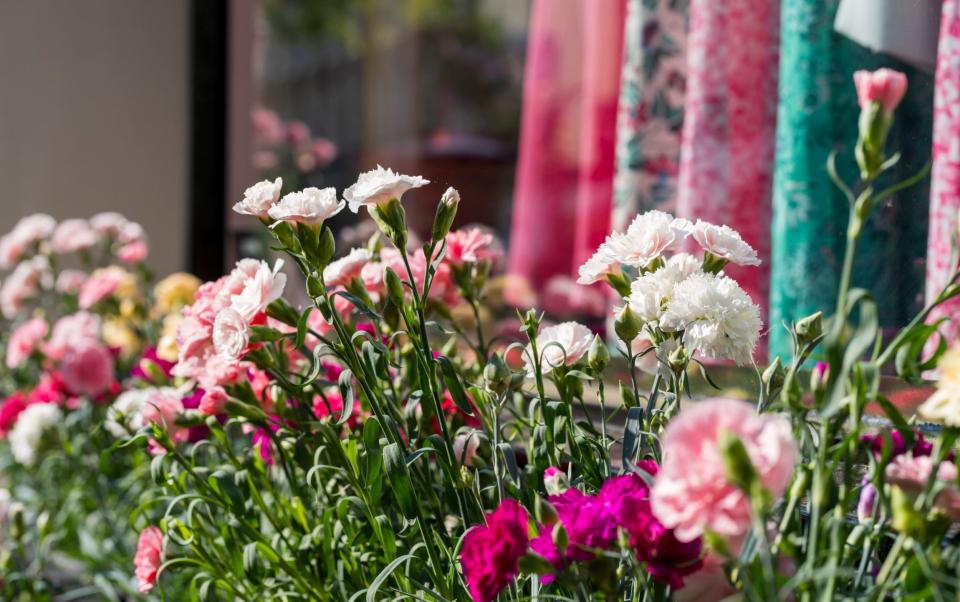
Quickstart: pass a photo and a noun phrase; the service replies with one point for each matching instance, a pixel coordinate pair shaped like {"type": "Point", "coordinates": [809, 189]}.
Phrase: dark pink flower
{"type": "Point", "coordinates": [148, 558]}
{"type": "Point", "coordinates": [491, 552]}
{"type": "Point", "coordinates": [10, 410]}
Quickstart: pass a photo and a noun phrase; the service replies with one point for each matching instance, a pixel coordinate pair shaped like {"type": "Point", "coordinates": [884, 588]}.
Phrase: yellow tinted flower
{"type": "Point", "coordinates": [118, 333]}
{"type": "Point", "coordinates": [944, 405]}
{"type": "Point", "coordinates": [175, 291]}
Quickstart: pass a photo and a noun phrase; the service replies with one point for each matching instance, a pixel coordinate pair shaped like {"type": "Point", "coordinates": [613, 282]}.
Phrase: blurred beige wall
{"type": "Point", "coordinates": [94, 114]}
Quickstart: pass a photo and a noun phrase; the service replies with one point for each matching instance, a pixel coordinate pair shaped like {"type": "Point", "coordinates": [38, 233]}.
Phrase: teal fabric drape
{"type": "Point", "coordinates": [817, 112]}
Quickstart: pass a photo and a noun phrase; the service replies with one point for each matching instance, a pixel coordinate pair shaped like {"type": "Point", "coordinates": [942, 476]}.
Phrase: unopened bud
{"type": "Point", "coordinates": [810, 328]}
{"type": "Point", "coordinates": [394, 287]}
{"type": "Point", "coordinates": [818, 378]}
{"type": "Point", "coordinates": [736, 461]}
{"type": "Point", "coordinates": [627, 396]}
{"type": "Point", "coordinates": [598, 357]}
{"type": "Point", "coordinates": [496, 374]}
{"type": "Point", "coordinates": [560, 538]}
{"type": "Point", "coordinates": [446, 211]}
{"type": "Point", "coordinates": [867, 504]}
{"type": "Point", "coordinates": [678, 358]}
{"type": "Point", "coordinates": [774, 375]}
{"type": "Point", "coordinates": [545, 512]}
{"type": "Point", "coordinates": [627, 324]}
{"type": "Point", "coordinates": [906, 519]}
{"type": "Point", "coordinates": [555, 481]}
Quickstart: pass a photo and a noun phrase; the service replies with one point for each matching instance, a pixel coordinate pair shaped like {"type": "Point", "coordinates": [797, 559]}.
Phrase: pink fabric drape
{"type": "Point", "coordinates": [564, 187]}
{"type": "Point", "coordinates": [726, 163]}
{"type": "Point", "coordinates": [945, 185]}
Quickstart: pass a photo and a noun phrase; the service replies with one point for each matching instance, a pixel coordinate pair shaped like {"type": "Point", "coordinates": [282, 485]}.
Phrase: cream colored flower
{"type": "Point", "coordinates": [118, 334]}
{"type": "Point", "coordinates": [258, 199]}
{"type": "Point", "coordinates": [309, 206]}
{"type": "Point", "coordinates": [379, 186]}
{"type": "Point", "coordinates": [944, 405]}
{"type": "Point", "coordinates": [558, 345]}
{"type": "Point", "coordinates": [175, 291]}
{"type": "Point", "coordinates": [724, 242]}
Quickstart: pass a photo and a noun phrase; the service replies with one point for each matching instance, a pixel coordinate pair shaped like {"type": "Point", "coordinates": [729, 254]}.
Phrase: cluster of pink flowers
{"type": "Point", "coordinates": [276, 138]}
{"type": "Point", "coordinates": [215, 331]}
{"type": "Point", "coordinates": [26, 250]}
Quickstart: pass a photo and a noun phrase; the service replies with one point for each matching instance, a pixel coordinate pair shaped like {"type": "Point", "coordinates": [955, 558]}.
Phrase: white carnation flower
{"type": "Point", "coordinates": [309, 206]}
{"type": "Point", "coordinates": [944, 405]}
{"type": "Point", "coordinates": [341, 271]}
{"type": "Point", "coordinates": [647, 237]}
{"type": "Point", "coordinates": [258, 199]}
{"type": "Point", "coordinates": [231, 334]}
{"type": "Point", "coordinates": [24, 283]}
{"type": "Point", "coordinates": [558, 345]}
{"type": "Point", "coordinates": [125, 415]}
{"type": "Point", "coordinates": [26, 434]}
{"type": "Point", "coordinates": [651, 292]}
{"type": "Point", "coordinates": [601, 263]}
{"type": "Point", "coordinates": [379, 186]}
{"type": "Point", "coordinates": [724, 242]}
{"type": "Point", "coordinates": [716, 316]}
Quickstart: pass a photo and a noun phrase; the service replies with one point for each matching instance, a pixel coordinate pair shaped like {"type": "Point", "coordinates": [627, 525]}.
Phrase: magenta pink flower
{"type": "Point", "coordinates": [87, 369]}
{"type": "Point", "coordinates": [24, 340]}
{"type": "Point", "coordinates": [50, 389]}
{"type": "Point", "coordinates": [10, 409]}
{"type": "Point", "coordinates": [492, 552]}
{"type": "Point", "coordinates": [692, 492]}
{"type": "Point", "coordinates": [149, 558]}
{"type": "Point", "coordinates": [885, 86]}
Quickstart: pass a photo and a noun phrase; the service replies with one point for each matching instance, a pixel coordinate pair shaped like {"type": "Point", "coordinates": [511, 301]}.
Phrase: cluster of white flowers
{"type": "Point", "coordinates": [682, 297]}
{"type": "Point", "coordinates": [26, 434]}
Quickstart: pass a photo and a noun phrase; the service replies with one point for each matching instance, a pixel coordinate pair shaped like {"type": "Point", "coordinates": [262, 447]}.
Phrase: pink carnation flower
{"type": "Point", "coordinates": [99, 286]}
{"type": "Point", "coordinates": [133, 252]}
{"type": "Point", "coordinates": [76, 329]}
{"type": "Point", "coordinates": [213, 401]}
{"type": "Point", "coordinates": [23, 284]}
{"type": "Point", "coordinates": [24, 340]}
{"type": "Point", "coordinates": [885, 86]}
{"type": "Point", "coordinates": [348, 267]}
{"type": "Point", "coordinates": [491, 552]}
{"type": "Point", "coordinates": [28, 232]}
{"type": "Point", "coordinates": [692, 492]}
{"type": "Point", "coordinates": [149, 558]}
{"type": "Point", "coordinates": [87, 369]}
{"type": "Point", "coordinates": [70, 281]}
{"type": "Point", "coordinates": [471, 246]}
{"type": "Point", "coordinates": [910, 473]}
{"type": "Point", "coordinates": [72, 236]}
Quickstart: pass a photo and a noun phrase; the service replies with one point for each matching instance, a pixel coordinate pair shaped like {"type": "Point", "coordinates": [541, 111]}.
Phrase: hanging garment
{"type": "Point", "coordinates": [904, 30]}
{"type": "Point", "coordinates": [726, 165]}
{"type": "Point", "coordinates": [945, 192]}
{"type": "Point", "coordinates": [650, 113]}
{"type": "Point", "coordinates": [817, 112]}
{"type": "Point", "coordinates": [563, 191]}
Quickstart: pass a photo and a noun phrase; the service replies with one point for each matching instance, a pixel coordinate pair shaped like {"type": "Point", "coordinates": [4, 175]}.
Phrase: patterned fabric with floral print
{"type": "Point", "coordinates": [726, 166]}
{"type": "Point", "coordinates": [945, 193]}
{"type": "Point", "coordinates": [650, 115]}
{"type": "Point", "coordinates": [817, 112]}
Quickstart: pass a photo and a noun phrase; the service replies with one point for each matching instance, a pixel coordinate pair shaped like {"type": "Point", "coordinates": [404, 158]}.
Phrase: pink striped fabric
{"type": "Point", "coordinates": [726, 164]}
{"type": "Point", "coordinates": [945, 185]}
